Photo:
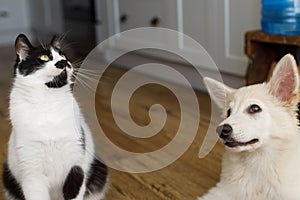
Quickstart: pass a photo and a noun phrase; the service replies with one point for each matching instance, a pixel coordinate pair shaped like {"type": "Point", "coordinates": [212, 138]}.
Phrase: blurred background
{"type": "Point", "coordinates": [219, 26]}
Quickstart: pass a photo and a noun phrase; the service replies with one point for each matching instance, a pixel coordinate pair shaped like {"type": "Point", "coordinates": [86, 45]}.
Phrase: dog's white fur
{"type": "Point", "coordinates": [270, 168]}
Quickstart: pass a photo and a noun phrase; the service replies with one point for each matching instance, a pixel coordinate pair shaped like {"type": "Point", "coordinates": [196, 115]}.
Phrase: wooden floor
{"type": "Point", "coordinates": [185, 179]}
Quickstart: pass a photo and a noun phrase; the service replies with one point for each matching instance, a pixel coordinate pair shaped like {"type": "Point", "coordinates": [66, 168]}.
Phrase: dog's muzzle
{"type": "Point", "coordinates": [225, 133]}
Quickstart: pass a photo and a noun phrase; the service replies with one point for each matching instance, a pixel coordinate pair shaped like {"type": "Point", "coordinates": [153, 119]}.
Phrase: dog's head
{"type": "Point", "coordinates": [259, 115]}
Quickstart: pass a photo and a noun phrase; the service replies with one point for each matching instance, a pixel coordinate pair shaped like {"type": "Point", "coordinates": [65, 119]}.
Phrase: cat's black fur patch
{"type": "Point", "coordinates": [11, 184]}
{"type": "Point", "coordinates": [97, 176]}
{"type": "Point", "coordinates": [73, 183]}
{"type": "Point", "coordinates": [32, 63]}
{"type": "Point", "coordinates": [58, 81]}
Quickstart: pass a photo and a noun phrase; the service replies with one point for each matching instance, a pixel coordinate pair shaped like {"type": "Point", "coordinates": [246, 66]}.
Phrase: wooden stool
{"type": "Point", "coordinates": [264, 49]}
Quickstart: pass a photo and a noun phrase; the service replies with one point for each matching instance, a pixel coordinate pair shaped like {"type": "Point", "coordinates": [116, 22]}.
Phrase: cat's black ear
{"type": "Point", "coordinates": [23, 46]}
{"type": "Point", "coordinates": [55, 42]}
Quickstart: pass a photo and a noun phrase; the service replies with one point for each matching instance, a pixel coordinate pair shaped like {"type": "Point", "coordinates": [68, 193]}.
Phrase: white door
{"type": "Point", "coordinates": [228, 21]}
{"type": "Point", "coordinates": [218, 25]}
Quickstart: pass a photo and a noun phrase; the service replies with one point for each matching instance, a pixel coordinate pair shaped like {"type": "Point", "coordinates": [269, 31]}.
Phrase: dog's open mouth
{"type": "Point", "coordinates": [233, 143]}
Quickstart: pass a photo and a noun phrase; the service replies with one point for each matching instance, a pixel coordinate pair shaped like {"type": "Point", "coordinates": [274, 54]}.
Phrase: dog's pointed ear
{"type": "Point", "coordinates": [23, 47]}
{"type": "Point", "coordinates": [217, 91]}
{"type": "Point", "coordinates": [284, 83]}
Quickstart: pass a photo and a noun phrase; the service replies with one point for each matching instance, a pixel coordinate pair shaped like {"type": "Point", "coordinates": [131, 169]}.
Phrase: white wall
{"type": "Point", "coordinates": [231, 20]}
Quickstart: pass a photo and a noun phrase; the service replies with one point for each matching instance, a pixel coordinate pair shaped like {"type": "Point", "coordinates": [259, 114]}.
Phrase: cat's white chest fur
{"type": "Point", "coordinates": [43, 115]}
{"type": "Point", "coordinates": [46, 130]}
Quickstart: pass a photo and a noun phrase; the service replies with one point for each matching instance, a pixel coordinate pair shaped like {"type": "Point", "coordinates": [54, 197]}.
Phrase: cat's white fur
{"type": "Point", "coordinates": [46, 126]}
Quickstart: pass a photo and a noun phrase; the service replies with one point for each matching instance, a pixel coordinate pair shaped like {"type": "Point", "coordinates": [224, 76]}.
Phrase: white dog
{"type": "Point", "coordinates": [262, 139]}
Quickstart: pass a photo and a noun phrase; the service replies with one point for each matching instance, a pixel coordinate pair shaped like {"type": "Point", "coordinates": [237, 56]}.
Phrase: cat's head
{"type": "Point", "coordinates": [44, 65]}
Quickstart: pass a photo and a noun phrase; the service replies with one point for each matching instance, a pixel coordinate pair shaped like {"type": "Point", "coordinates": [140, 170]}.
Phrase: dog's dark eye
{"type": "Point", "coordinates": [254, 109]}
{"type": "Point", "coordinates": [228, 112]}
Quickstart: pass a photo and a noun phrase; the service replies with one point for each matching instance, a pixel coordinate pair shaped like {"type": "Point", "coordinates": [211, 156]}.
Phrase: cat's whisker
{"type": "Point", "coordinates": [88, 73]}
{"type": "Point", "coordinates": [90, 70]}
{"type": "Point", "coordinates": [42, 44]}
{"type": "Point", "coordinates": [77, 65]}
{"type": "Point", "coordinates": [91, 73]}
{"type": "Point", "coordinates": [77, 79]}
{"type": "Point", "coordinates": [84, 84]}
{"type": "Point", "coordinates": [87, 78]}
{"type": "Point", "coordinates": [79, 60]}
{"type": "Point", "coordinates": [62, 37]}
{"type": "Point", "coordinates": [93, 76]}
{"type": "Point", "coordinates": [67, 46]}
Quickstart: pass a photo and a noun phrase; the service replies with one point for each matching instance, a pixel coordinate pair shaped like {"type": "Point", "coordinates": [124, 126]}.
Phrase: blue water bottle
{"type": "Point", "coordinates": [281, 17]}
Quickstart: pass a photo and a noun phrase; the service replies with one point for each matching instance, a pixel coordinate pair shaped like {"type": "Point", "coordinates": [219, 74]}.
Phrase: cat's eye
{"type": "Point", "coordinates": [254, 108]}
{"type": "Point", "coordinates": [44, 57]}
{"type": "Point", "coordinates": [228, 112]}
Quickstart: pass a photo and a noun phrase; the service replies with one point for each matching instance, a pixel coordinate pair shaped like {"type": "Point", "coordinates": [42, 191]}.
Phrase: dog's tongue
{"type": "Point", "coordinates": [235, 143]}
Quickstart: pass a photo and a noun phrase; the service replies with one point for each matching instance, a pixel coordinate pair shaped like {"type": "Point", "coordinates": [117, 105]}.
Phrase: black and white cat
{"type": "Point", "coordinates": [51, 151]}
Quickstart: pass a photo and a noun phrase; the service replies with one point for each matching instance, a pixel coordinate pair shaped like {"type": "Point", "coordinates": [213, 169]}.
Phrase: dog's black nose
{"type": "Point", "coordinates": [62, 64]}
{"type": "Point", "coordinates": [224, 131]}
